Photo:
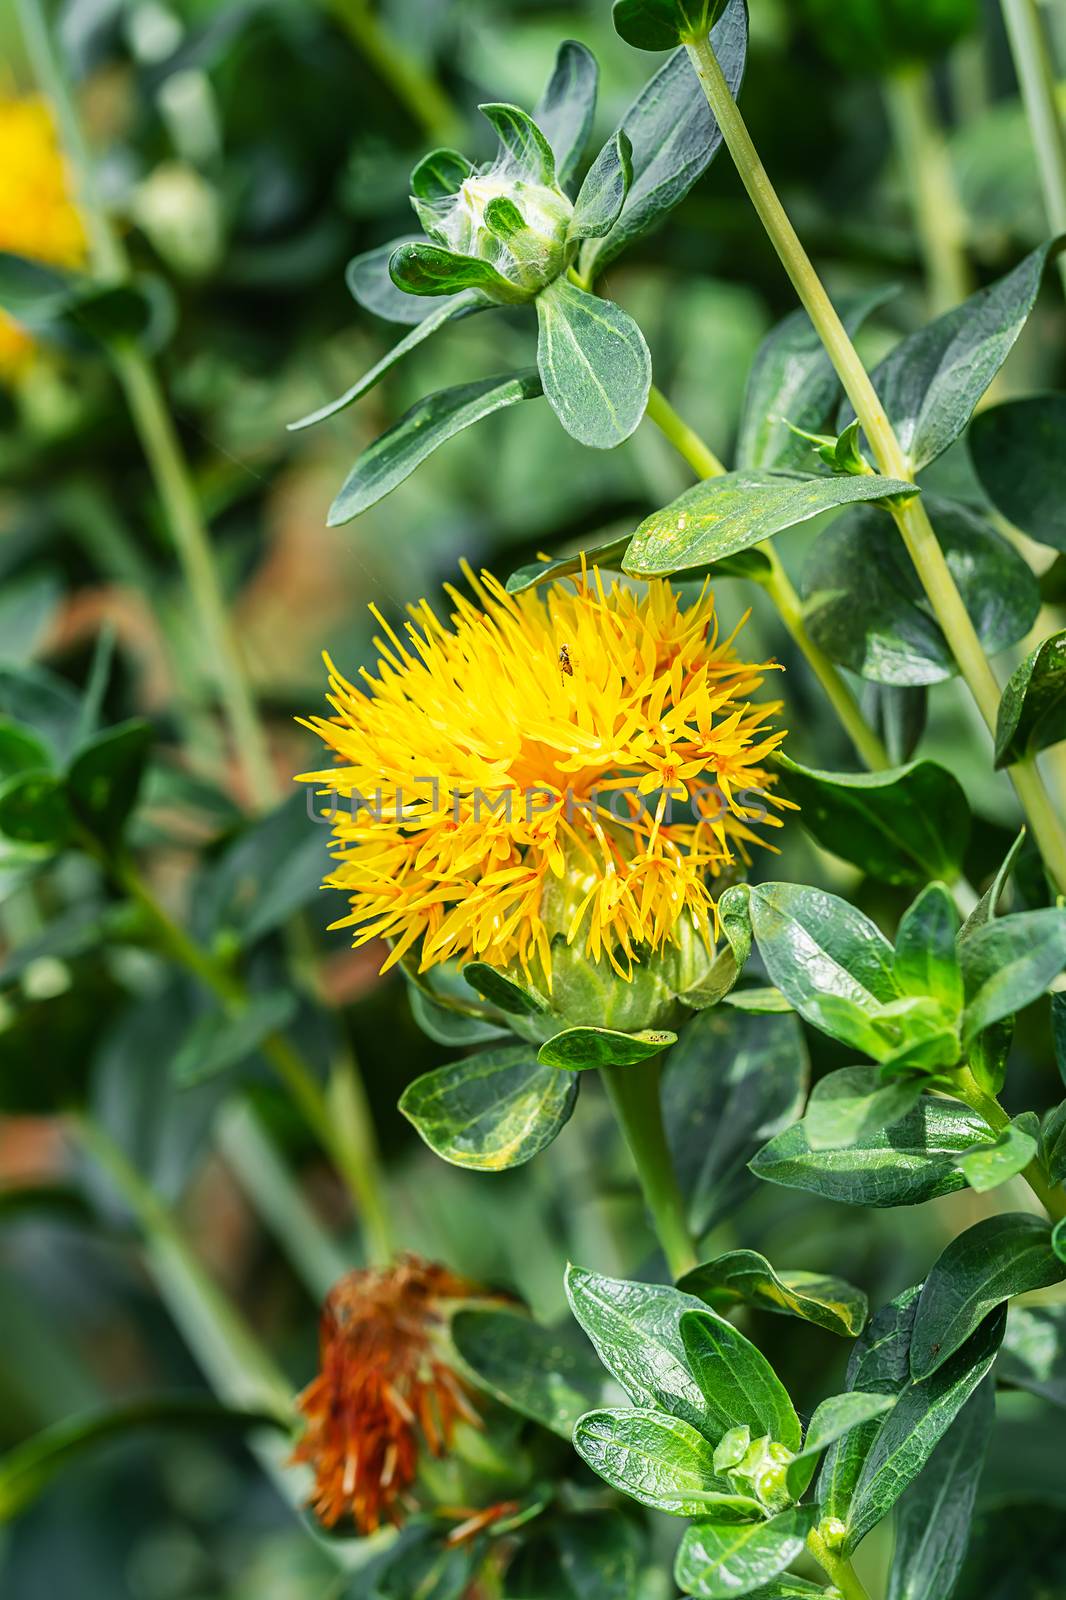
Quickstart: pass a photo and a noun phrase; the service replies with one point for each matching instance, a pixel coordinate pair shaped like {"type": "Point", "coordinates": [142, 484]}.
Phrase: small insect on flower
{"type": "Point", "coordinates": [384, 1390]}
{"type": "Point", "coordinates": [37, 214]}
{"type": "Point", "coordinates": [567, 766]}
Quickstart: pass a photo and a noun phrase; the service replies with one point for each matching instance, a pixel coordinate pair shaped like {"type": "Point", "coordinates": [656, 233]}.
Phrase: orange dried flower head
{"type": "Point", "coordinates": [507, 775]}
{"type": "Point", "coordinates": [385, 1389]}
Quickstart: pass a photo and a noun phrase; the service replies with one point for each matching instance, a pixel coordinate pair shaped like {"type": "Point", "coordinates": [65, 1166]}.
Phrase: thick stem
{"type": "Point", "coordinates": [634, 1096]}
{"type": "Point", "coordinates": [340, 1121]}
{"type": "Point", "coordinates": [840, 1572]}
{"type": "Point", "coordinates": [938, 214]}
{"type": "Point", "coordinates": [1036, 77]}
{"type": "Point", "coordinates": [1052, 1196]}
{"type": "Point", "coordinates": [703, 461]}
{"type": "Point", "coordinates": [156, 430]}
{"type": "Point", "coordinates": [910, 515]}
{"type": "Point", "coordinates": [413, 84]}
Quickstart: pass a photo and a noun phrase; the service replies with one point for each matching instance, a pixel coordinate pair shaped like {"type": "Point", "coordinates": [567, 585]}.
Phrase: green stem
{"type": "Point", "coordinates": [340, 1120]}
{"type": "Point", "coordinates": [1036, 78]}
{"type": "Point", "coordinates": [839, 1571]}
{"type": "Point", "coordinates": [703, 461]}
{"type": "Point", "coordinates": [634, 1096]}
{"type": "Point", "coordinates": [413, 85]}
{"type": "Point", "coordinates": [910, 516]}
{"type": "Point", "coordinates": [1052, 1196]}
{"type": "Point", "coordinates": [155, 427]}
{"type": "Point", "coordinates": [938, 214]}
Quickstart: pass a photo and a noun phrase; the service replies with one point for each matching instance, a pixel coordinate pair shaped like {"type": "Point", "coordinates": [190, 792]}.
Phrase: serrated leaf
{"type": "Point", "coordinates": [492, 1111]}
{"type": "Point", "coordinates": [986, 1265]}
{"type": "Point", "coordinates": [604, 190]}
{"type": "Point", "coordinates": [733, 512]}
{"type": "Point", "coordinates": [1016, 449]}
{"type": "Point", "coordinates": [865, 607]}
{"type": "Point", "coordinates": [1008, 963]}
{"type": "Point", "coordinates": [594, 364]}
{"type": "Point", "coordinates": [902, 825]}
{"type": "Point", "coordinates": [459, 305]}
{"type": "Point", "coordinates": [933, 1516]}
{"type": "Point", "coordinates": [430, 422]}
{"type": "Point", "coordinates": [660, 1461]}
{"type": "Point", "coordinates": [1032, 710]}
{"type": "Point", "coordinates": [912, 1430]}
{"type": "Point", "coordinates": [719, 1560]}
{"type": "Point", "coordinates": [914, 1161]}
{"type": "Point", "coordinates": [743, 1277]}
{"type": "Point", "coordinates": [848, 1105]}
{"type": "Point", "coordinates": [579, 1048]}
{"type": "Point", "coordinates": [634, 1328]}
{"type": "Point", "coordinates": [988, 1165]}
{"type": "Point", "coordinates": [524, 151]}
{"type": "Point", "coordinates": [931, 383]}
{"type": "Point", "coordinates": [792, 377]}
{"type": "Point", "coordinates": [740, 1387]}
{"type": "Point", "coordinates": [565, 110]}
{"type": "Point", "coordinates": [369, 283]}
{"type": "Point", "coordinates": [532, 1370]}
{"type": "Point", "coordinates": [675, 137]}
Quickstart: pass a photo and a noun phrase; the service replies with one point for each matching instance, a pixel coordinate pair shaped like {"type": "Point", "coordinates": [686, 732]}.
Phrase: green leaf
{"type": "Point", "coordinates": [792, 377]}
{"type": "Point", "coordinates": [740, 1386]}
{"type": "Point", "coordinates": [1052, 1135]}
{"type": "Point", "coordinates": [766, 1001]}
{"type": "Point", "coordinates": [1015, 1550]}
{"type": "Point", "coordinates": [989, 1263]}
{"type": "Point", "coordinates": [538, 572]}
{"type": "Point", "coordinates": [634, 1328]}
{"type": "Point", "coordinates": [719, 1560]}
{"type": "Point", "coordinates": [530, 1369]}
{"type": "Point", "coordinates": [501, 991]}
{"type": "Point", "coordinates": [29, 1468]}
{"type": "Point", "coordinates": [217, 1041]}
{"type": "Point", "coordinates": [594, 364]}
{"type": "Point", "coordinates": [675, 137]}
{"type": "Point", "coordinates": [1033, 1356]}
{"type": "Point", "coordinates": [1009, 963]}
{"type": "Point", "coordinates": [833, 1419]}
{"type": "Point", "coordinates": [662, 24]}
{"type": "Point", "coordinates": [459, 305]}
{"type": "Point", "coordinates": [902, 825]}
{"type": "Point", "coordinates": [574, 1557]}
{"type": "Point", "coordinates": [1016, 449]}
{"type": "Point", "coordinates": [913, 1161]}
{"type": "Point", "coordinates": [659, 1461]}
{"type": "Point", "coordinates": [912, 1430]}
{"type": "Point", "coordinates": [877, 1365]}
{"type": "Point", "coordinates": [724, 515]}
{"type": "Point", "coordinates": [440, 174]}
{"type": "Point", "coordinates": [430, 269]}
{"type": "Point", "coordinates": [524, 151]}
{"type": "Point", "coordinates": [865, 606]}
{"type": "Point", "coordinates": [925, 962]}
{"type": "Point", "coordinates": [933, 1516]}
{"type": "Point", "coordinates": [986, 908]}
{"type": "Point", "coordinates": [743, 1277]}
{"type": "Point", "coordinates": [1058, 1031]}
{"type": "Point", "coordinates": [430, 422]}
{"type": "Point", "coordinates": [1058, 1239]}
{"type": "Point", "coordinates": [369, 283]}
{"type": "Point", "coordinates": [565, 110]}
{"type": "Point", "coordinates": [731, 1082]}
{"type": "Point", "coordinates": [35, 810]}
{"type": "Point", "coordinates": [75, 309]}
{"type": "Point", "coordinates": [848, 1105]}
{"type": "Point", "coordinates": [1032, 711]}
{"type": "Point", "coordinates": [931, 383]}
{"type": "Point", "coordinates": [604, 190]}
{"type": "Point", "coordinates": [105, 778]}
{"type": "Point", "coordinates": [456, 1029]}
{"type": "Point", "coordinates": [492, 1111]}
{"type": "Point", "coordinates": [20, 749]}
{"type": "Point", "coordinates": [831, 961]}
{"type": "Point", "coordinates": [577, 1048]}
{"type": "Point", "coordinates": [988, 1165]}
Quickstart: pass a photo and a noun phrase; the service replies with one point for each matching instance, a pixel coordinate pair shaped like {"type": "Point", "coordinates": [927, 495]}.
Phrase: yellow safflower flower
{"type": "Point", "coordinates": [38, 218]}
{"type": "Point", "coordinates": [508, 774]}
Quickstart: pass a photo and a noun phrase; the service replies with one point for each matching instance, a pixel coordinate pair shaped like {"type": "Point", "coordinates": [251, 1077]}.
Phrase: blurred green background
{"type": "Point", "coordinates": [250, 148]}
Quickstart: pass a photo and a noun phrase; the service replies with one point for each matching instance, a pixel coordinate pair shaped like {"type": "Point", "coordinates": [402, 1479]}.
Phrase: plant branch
{"type": "Point", "coordinates": [156, 430]}
{"type": "Point", "coordinates": [839, 1571]}
{"type": "Point", "coordinates": [938, 214]}
{"type": "Point", "coordinates": [1036, 78]}
{"type": "Point", "coordinates": [910, 515]}
{"type": "Point", "coordinates": [1052, 1196]}
{"type": "Point", "coordinates": [635, 1100]}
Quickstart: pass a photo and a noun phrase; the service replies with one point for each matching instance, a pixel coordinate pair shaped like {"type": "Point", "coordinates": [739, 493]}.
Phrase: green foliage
{"type": "Point", "coordinates": [594, 364]}
{"type": "Point", "coordinates": [866, 36]}
{"type": "Point", "coordinates": [662, 24]}
{"type": "Point", "coordinates": [743, 1277]}
{"type": "Point", "coordinates": [1015, 448]}
{"type": "Point", "coordinates": [1032, 712]}
{"type": "Point", "coordinates": [493, 1110]}
{"type": "Point", "coordinates": [539, 1373]}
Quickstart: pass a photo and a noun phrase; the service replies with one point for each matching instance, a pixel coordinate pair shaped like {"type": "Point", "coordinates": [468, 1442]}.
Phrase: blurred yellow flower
{"type": "Point", "coordinates": [38, 218]}
{"type": "Point", "coordinates": [507, 778]}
